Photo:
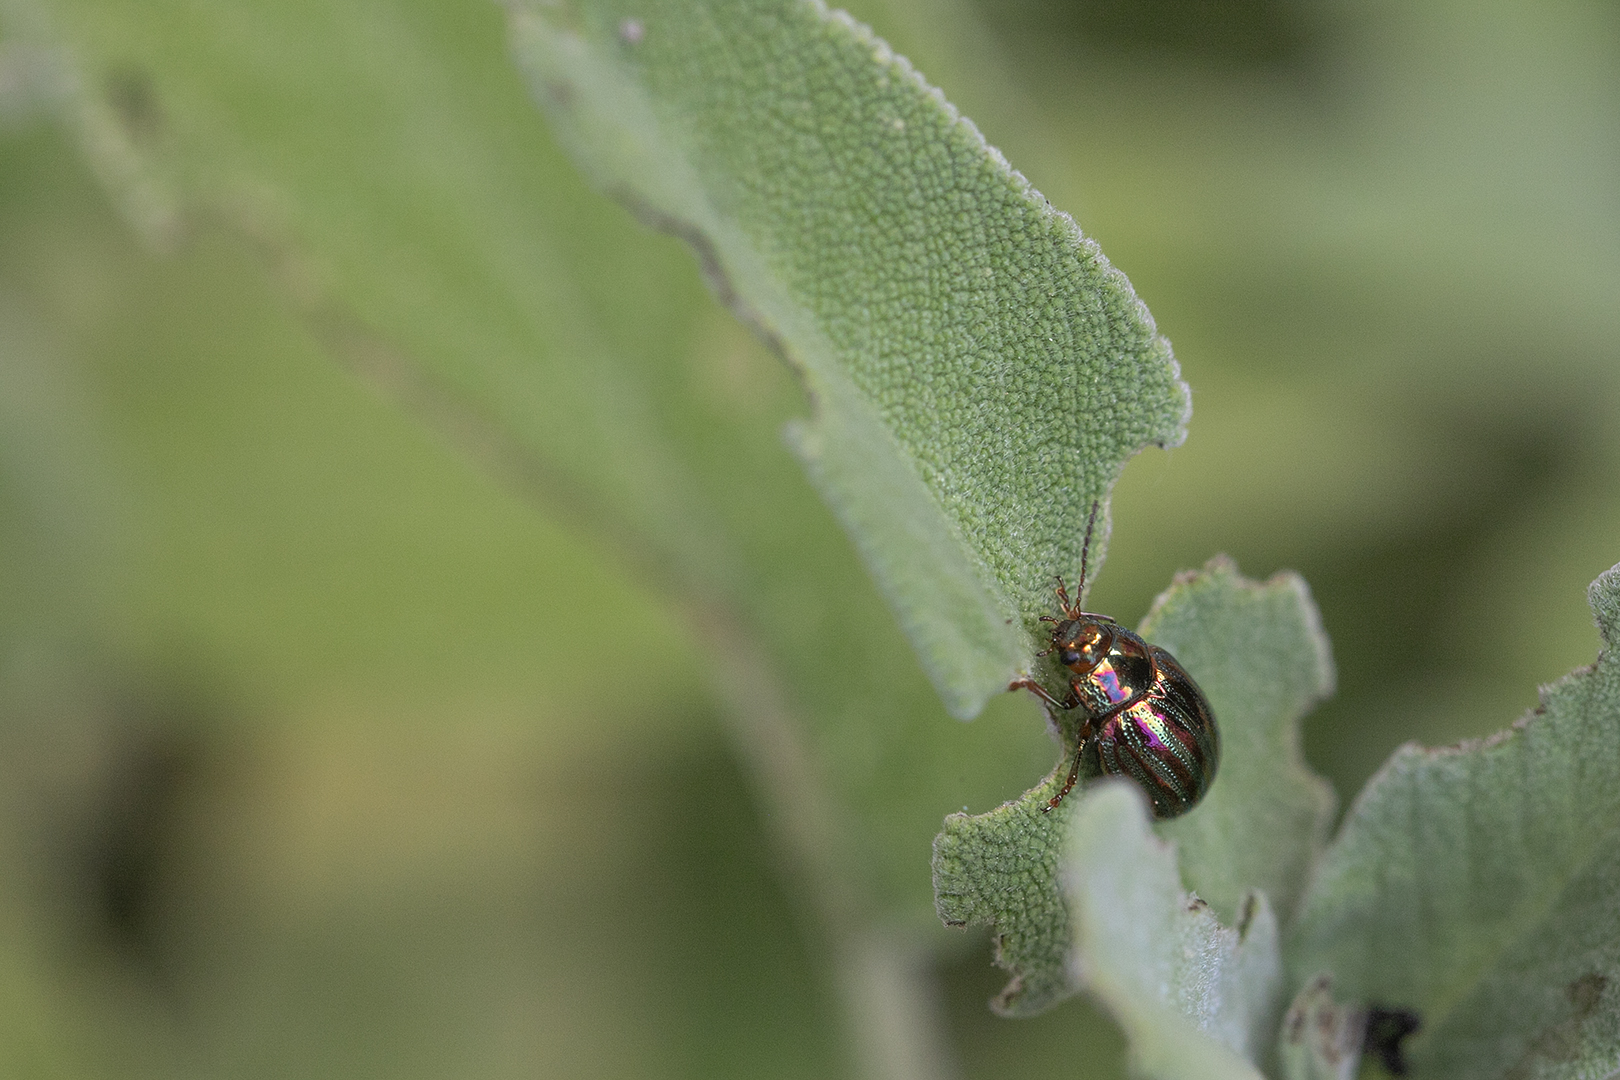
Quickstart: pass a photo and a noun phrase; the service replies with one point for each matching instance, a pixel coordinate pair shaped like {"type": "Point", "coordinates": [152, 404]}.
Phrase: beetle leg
{"type": "Point", "coordinates": [1069, 610]}
{"type": "Point", "coordinates": [1092, 725]}
{"type": "Point", "coordinates": [1068, 785]}
{"type": "Point", "coordinates": [1042, 693]}
{"type": "Point", "coordinates": [1074, 770]}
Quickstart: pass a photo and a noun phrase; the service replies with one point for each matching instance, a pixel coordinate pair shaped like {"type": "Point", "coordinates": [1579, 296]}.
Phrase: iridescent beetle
{"type": "Point", "coordinates": [1145, 715]}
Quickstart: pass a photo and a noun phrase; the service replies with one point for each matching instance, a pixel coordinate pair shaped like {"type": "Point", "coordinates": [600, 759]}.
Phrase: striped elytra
{"type": "Point", "coordinates": [1143, 713]}
{"type": "Point", "coordinates": [1166, 740]}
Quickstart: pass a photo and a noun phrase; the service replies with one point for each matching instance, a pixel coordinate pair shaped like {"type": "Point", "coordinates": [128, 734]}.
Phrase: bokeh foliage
{"type": "Point", "coordinates": [978, 373]}
{"type": "Point", "coordinates": [315, 734]}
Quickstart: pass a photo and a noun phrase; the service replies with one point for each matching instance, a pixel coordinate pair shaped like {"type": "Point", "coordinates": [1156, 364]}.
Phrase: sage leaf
{"type": "Point", "coordinates": [1477, 888]}
{"type": "Point", "coordinates": [979, 372]}
{"type": "Point", "coordinates": [1195, 998]}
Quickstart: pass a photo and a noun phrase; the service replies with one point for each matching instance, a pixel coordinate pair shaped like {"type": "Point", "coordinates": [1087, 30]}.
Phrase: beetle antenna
{"type": "Point", "coordinates": [1085, 551]}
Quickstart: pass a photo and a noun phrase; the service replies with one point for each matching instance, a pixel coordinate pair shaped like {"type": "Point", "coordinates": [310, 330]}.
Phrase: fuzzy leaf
{"type": "Point", "coordinates": [1258, 651]}
{"type": "Point", "coordinates": [1195, 998]}
{"type": "Point", "coordinates": [1478, 887]}
{"type": "Point", "coordinates": [979, 372]}
{"type": "Point", "coordinates": [1000, 869]}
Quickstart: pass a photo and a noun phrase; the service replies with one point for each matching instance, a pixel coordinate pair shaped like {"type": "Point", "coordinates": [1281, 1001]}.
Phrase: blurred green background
{"type": "Point", "coordinates": [339, 738]}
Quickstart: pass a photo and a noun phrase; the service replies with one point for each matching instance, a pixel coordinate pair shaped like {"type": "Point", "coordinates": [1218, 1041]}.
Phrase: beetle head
{"type": "Point", "coordinates": [1082, 643]}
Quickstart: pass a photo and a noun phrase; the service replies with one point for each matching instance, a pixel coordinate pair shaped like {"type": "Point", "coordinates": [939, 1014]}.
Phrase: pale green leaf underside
{"type": "Point", "coordinates": [1479, 886]}
{"type": "Point", "coordinates": [979, 372]}
{"type": "Point", "coordinates": [1195, 998]}
{"type": "Point", "coordinates": [1257, 650]}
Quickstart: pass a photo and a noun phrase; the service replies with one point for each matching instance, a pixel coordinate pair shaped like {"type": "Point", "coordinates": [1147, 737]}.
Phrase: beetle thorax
{"type": "Point", "coordinates": [1110, 666]}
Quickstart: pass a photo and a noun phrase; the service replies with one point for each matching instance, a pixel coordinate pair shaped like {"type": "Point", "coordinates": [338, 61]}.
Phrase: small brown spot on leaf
{"type": "Point", "coordinates": [1584, 993]}
{"type": "Point", "coordinates": [1294, 1024]}
{"type": "Point", "coordinates": [1562, 1041]}
{"type": "Point", "coordinates": [1329, 1031]}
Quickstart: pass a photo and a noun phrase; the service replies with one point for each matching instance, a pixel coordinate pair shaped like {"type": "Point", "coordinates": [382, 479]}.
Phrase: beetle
{"type": "Point", "coordinates": [1144, 715]}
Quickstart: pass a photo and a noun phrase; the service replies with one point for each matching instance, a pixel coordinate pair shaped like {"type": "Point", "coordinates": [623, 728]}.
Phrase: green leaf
{"type": "Point", "coordinates": [1000, 869]}
{"type": "Point", "coordinates": [979, 372]}
{"type": "Point", "coordinates": [1478, 886]}
{"type": "Point", "coordinates": [1195, 998]}
{"type": "Point", "coordinates": [1258, 652]}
